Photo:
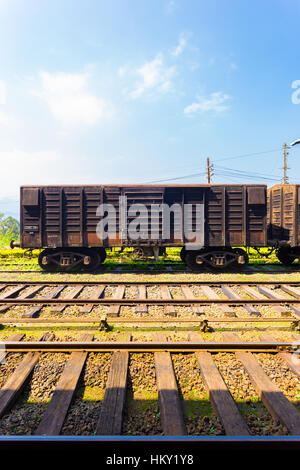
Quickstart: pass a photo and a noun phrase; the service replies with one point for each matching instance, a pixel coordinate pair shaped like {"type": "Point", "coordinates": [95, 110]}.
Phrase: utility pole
{"type": "Point", "coordinates": [209, 170]}
{"type": "Point", "coordinates": [285, 167]}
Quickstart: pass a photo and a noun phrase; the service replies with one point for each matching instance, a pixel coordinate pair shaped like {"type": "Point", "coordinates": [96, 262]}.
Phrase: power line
{"type": "Point", "coordinates": [177, 178]}
{"type": "Point", "coordinates": [218, 160]}
{"type": "Point", "coordinates": [242, 173]}
{"type": "Point", "coordinates": [242, 176]}
{"type": "Point", "coordinates": [247, 155]}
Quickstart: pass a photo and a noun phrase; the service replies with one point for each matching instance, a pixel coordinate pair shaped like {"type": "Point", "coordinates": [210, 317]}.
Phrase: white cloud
{"type": "Point", "coordinates": [182, 42]}
{"type": "Point", "coordinates": [2, 92]}
{"type": "Point", "coordinates": [122, 71]}
{"type": "Point", "coordinates": [233, 66]}
{"type": "Point", "coordinates": [69, 101]}
{"type": "Point", "coordinates": [155, 77]}
{"type": "Point", "coordinates": [170, 6]}
{"type": "Point", "coordinates": [215, 102]}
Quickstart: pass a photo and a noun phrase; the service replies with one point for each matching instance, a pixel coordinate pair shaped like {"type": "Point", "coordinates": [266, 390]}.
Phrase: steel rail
{"type": "Point", "coordinates": [140, 347]}
{"type": "Point", "coordinates": [148, 283]}
{"type": "Point", "coordinates": [146, 320]}
{"type": "Point", "coordinates": [112, 300]}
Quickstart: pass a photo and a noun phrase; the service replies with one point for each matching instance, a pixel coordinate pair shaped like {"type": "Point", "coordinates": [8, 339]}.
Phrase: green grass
{"type": "Point", "coordinates": [10, 259]}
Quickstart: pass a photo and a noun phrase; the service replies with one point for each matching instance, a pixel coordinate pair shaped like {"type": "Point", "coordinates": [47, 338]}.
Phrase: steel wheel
{"type": "Point", "coordinates": [284, 256]}
{"type": "Point", "coordinates": [95, 258]}
{"type": "Point", "coordinates": [50, 266]}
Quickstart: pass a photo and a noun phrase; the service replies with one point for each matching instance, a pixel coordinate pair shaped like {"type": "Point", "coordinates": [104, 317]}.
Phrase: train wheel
{"type": "Point", "coordinates": [102, 253]}
{"type": "Point", "coordinates": [92, 259]}
{"type": "Point", "coordinates": [193, 259]}
{"type": "Point", "coordinates": [162, 251]}
{"type": "Point", "coordinates": [46, 262]}
{"type": "Point", "coordinates": [217, 258]}
{"type": "Point", "coordinates": [183, 254]}
{"type": "Point", "coordinates": [242, 260]}
{"type": "Point", "coordinates": [284, 255]}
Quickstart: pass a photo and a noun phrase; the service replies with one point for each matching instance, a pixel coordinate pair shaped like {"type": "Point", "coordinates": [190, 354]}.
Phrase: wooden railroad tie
{"type": "Point", "coordinates": [15, 383]}
{"type": "Point", "coordinates": [142, 309]}
{"type": "Point", "coordinates": [34, 311]}
{"type": "Point", "coordinates": [72, 295]}
{"type": "Point", "coordinates": [271, 294]}
{"type": "Point", "coordinates": [233, 295]}
{"type": "Point", "coordinates": [219, 395]}
{"type": "Point", "coordinates": [211, 294]}
{"type": "Point", "coordinates": [166, 295]}
{"type": "Point", "coordinates": [98, 294]}
{"type": "Point", "coordinates": [112, 407]}
{"type": "Point", "coordinates": [114, 310]}
{"type": "Point", "coordinates": [56, 412]}
{"type": "Point", "coordinates": [275, 401]}
{"type": "Point", "coordinates": [168, 396]}
{"type": "Point", "coordinates": [33, 290]}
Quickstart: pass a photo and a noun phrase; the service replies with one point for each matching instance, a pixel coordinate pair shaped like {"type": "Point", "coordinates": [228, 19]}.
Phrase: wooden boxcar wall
{"type": "Point", "coordinates": [284, 214]}
{"type": "Point", "coordinates": [56, 216]}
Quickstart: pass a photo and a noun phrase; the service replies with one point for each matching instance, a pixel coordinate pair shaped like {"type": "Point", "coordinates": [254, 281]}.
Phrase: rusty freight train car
{"type": "Point", "coordinates": [284, 221]}
{"type": "Point", "coordinates": [64, 220]}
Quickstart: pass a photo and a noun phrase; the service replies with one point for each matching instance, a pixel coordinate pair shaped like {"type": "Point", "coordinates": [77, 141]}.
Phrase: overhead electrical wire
{"type": "Point", "coordinates": [218, 160]}
{"type": "Point", "coordinates": [230, 172]}
{"type": "Point", "coordinates": [178, 178]}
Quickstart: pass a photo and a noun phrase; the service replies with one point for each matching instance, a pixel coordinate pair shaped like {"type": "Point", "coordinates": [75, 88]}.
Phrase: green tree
{"type": "Point", "coordinates": [9, 227]}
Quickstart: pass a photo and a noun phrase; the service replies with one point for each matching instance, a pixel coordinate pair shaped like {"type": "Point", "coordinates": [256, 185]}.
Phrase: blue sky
{"type": "Point", "coordinates": [139, 91]}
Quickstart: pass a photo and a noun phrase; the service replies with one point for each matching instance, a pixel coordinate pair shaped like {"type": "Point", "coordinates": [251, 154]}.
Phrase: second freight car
{"type": "Point", "coordinates": [284, 221]}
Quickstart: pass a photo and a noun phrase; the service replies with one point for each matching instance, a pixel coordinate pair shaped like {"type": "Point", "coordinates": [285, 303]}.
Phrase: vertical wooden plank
{"type": "Point", "coordinates": [165, 295]}
{"type": "Point", "coordinates": [112, 407]}
{"type": "Point", "coordinates": [286, 356]}
{"type": "Point", "coordinates": [14, 385]}
{"type": "Point", "coordinates": [274, 400]}
{"type": "Point", "coordinates": [219, 394]}
{"type": "Point", "coordinates": [57, 409]}
{"type": "Point", "coordinates": [142, 309]}
{"type": "Point", "coordinates": [114, 310]}
{"type": "Point", "coordinates": [169, 401]}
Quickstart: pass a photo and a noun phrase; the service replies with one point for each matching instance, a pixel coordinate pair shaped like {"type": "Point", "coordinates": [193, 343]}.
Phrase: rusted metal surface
{"type": "Point", "coordinates": [74, 320]}
{"type": "Point", "coordinates": [65, 216]}
{"type": "Point", "coordinates": [97, 346]}
{"type": "Point", "coordinates": [109, 301]}
{"type": "Point", "coordinates": [149, 283]}
{"type": "Point", "coordinates": [284, 214]}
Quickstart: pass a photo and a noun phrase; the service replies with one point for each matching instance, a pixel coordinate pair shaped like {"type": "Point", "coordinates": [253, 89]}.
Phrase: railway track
{"type": "Point", "coordinates": [202, 303]}
{"type": "Point", "coordinates": [272, 268]}
{"type": "Point", "coordinates": [165, 361]}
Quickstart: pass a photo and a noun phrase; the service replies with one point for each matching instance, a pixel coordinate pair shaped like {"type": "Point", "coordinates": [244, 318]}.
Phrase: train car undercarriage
{"type": "Point", "coordinates": [90, 259]}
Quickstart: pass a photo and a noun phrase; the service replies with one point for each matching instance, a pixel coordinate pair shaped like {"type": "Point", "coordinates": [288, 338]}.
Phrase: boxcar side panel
{"type": "Point", "coordinates": [62, 216]}
{"type": "Point", "coordinates": [284, 214]}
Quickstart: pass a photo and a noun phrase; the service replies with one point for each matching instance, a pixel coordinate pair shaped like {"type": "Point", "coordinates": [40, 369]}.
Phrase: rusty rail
{"type": "Point", "coordinates": [140, 347]}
